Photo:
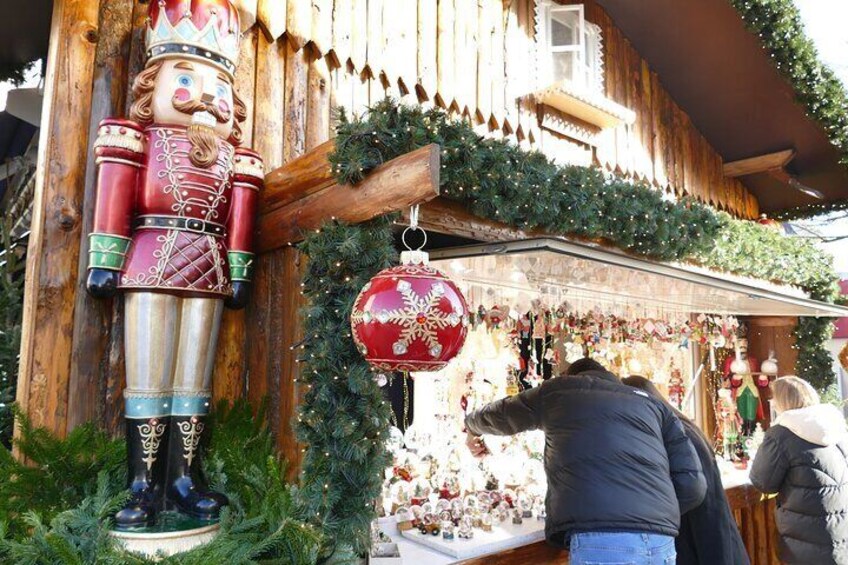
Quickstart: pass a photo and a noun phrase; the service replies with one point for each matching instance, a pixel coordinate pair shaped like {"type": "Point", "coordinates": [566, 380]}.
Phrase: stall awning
{"type": "Point", "coordinates": [587, 276]}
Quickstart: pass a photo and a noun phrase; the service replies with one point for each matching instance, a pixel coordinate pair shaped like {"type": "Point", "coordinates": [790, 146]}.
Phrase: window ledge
{"type": "Point", "coordinates": [588, 106]}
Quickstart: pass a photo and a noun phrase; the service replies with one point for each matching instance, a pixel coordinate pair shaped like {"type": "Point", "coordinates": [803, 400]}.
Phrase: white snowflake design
{"type": "Point", "coordinates": [420, 318]}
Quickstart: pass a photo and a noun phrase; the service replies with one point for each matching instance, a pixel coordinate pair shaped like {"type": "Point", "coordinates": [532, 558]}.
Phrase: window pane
{"type": "Point", "coordinates": [565, 27]}
{"type": "Point", "coordinates": [564, 65]}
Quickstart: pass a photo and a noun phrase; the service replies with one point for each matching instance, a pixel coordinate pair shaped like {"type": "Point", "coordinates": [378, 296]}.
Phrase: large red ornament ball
{"type": "Point", "coordinates": [409, 318]}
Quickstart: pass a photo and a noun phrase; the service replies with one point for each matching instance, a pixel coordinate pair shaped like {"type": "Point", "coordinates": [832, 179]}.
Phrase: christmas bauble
{"type": "Point", "coordinates": [409, 318]}
{"type": "Point", "coordinates": [739, 367]}
{"type": "Point", "coordinates": [769, 366]}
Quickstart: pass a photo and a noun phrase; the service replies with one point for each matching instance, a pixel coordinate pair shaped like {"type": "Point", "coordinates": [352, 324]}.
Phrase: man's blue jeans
{"type": "Point", "coordinates": [619, 548]}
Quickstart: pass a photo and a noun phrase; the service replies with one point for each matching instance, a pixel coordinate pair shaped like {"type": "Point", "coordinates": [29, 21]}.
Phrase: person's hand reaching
{"type": "Point", "coordinates": [476, 445]}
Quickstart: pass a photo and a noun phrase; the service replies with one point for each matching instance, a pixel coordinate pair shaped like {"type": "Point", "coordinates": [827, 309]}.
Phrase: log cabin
{"type": "Point", "coordinates": [679, 95]}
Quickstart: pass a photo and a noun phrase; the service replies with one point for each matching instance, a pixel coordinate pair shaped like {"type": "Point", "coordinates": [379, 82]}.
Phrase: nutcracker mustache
{"type": "Point", "coordinates": [203, 139]}
{"type": "Point", "coordinates": [192, 106]}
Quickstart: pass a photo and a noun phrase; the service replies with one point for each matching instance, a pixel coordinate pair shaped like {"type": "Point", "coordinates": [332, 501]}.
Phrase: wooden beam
{"type": "Point", "coordinates": [452, 218]}
{"type": "Point", "coordinates": [298, 178]}
{"type": "Point", "coordinates": [402, 182]}
{"type": "Point", "coordinates": [758, 164]}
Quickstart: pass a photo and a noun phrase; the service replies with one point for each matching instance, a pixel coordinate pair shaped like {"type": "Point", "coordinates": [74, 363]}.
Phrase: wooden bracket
{"type": "Point", "coordinates": [303, 194]}
{"type": "Point", "coordinates": [758, 164]}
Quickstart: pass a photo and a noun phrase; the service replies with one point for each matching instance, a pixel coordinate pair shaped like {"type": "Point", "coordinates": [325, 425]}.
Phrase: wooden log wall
{"type": "Point", "coordinates": [301, 59]}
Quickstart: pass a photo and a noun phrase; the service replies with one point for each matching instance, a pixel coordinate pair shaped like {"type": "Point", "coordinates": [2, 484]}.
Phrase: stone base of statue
{"type": "Point", "coordinates": [173, 533]}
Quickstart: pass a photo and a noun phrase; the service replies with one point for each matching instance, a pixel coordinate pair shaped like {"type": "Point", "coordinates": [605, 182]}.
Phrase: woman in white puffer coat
{"type": "Point", "coordinates": [804, 459]}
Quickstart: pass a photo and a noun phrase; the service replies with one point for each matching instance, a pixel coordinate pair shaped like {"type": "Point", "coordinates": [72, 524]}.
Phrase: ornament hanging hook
{"type": "Point", "coordinates": [413, 227]}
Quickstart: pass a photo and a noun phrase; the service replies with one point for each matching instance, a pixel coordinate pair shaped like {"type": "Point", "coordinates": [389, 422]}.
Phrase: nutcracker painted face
{"type": "Point", "coordinates": [191, 92]}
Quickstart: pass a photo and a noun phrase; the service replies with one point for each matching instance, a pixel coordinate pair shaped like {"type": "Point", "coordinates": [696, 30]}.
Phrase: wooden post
{"type": "Point", "coordinates": [54, 244]}
{"type": "Point", "coordinates": [298, 22]}
{"type": "Point", "coordinates": [446, 55]}
{"type": "Point", "coordinates": [342, 29]}
{"type": "Point", "coordinates": [359, 35]}
{"type": "Point", "coordinates": [498, 62]}
{"type": "Point", "coordinates": [228, 381]}
{"type": "Point", "coordinates": [93, 318]}
{"type": "Point", "coordinates": [269, 112]}
{"type": "Point", "coordinates": [271, 15]}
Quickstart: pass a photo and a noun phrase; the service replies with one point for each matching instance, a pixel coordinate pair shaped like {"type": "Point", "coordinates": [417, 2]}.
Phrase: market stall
{"type": "Point", "coordinates": [535, 306]}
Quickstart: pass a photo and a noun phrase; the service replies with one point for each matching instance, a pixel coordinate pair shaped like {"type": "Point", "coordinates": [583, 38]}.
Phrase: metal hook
{"type": "Point", "coordinates": [412, 229]}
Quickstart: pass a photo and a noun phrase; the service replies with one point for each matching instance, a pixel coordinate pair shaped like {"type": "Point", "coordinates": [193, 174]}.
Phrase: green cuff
{"type": "Point", "coordinates": [107, 251]}
{"type": "Point", "coordinates": [241, 265]}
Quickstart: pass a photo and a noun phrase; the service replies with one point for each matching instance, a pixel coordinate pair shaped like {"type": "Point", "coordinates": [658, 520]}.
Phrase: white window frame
{"type": "Point", "coordinates": [545, 9]}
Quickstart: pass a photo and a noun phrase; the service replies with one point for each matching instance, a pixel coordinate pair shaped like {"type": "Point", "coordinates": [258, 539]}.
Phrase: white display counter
{"type": "Point", "coordinates": [418, 549]}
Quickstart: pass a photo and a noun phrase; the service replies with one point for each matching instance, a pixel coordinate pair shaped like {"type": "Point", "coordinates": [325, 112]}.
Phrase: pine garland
{"type": "Point", "coordinates": [343, 419]}
{"type": "Point", "coordinates": [57, 508]}
{"type": "Point", "coordinates": [500, 181]}
{"type": "Point", "coordinates": [780, 28]}
{"type": "Point", "coordinates": [525, 189]}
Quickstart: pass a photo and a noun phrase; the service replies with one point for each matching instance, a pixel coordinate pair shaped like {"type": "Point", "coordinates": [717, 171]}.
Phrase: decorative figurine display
{"type": "Point", "coordinates": [176, 200]}
{"type": "Point", "coordinates": [739, 370]}
{"type": "Point", "coordinates": [676, 389]}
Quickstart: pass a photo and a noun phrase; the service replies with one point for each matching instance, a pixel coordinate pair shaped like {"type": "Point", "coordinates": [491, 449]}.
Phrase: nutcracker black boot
{"type": "Point", "coordinates": [146, 459]}
{"type": "Point", "coordinates": [187, 490]}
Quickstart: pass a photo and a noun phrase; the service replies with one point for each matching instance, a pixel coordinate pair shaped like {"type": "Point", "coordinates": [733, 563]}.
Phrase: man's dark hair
{"type": "Point", "coordinates": [583, 365]}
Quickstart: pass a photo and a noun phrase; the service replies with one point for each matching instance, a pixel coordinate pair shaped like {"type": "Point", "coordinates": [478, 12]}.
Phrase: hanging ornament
{"type": "Point", "coordinates": [411, 317]}
{"type": "Point", "coordinates": [769, 366]}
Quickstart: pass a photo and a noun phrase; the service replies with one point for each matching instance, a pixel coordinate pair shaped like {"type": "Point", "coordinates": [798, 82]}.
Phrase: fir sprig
{"type": "Point", "coordinates": [343, 418]}
{"type": "Point", "coordinates": [779, 26]}
{"type": "Point", "coordinates": [57, 508]}
{"type": "Point", "coordinates": [500, 181]}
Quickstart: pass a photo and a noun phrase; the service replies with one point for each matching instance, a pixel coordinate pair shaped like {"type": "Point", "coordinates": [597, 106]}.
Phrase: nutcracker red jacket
{"type": "Point", "coordinates": [616, 460]}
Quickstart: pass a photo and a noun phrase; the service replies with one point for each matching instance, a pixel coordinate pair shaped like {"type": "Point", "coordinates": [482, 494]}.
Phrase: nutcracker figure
{"type": "Point", "coordinates": [176, 197]}
{"type": "Point", "coordinates": [739, 371]}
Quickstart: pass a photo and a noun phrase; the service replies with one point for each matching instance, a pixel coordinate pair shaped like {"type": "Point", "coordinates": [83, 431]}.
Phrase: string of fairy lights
{"type": "Point", "coordinates": [779, 26]}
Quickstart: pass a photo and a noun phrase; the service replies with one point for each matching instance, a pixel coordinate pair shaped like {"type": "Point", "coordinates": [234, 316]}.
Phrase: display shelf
{"type": "Point", "coordinates": [502, 537]}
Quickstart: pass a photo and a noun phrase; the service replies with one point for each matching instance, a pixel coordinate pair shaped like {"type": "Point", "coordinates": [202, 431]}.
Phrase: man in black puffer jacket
{"type": "Point", "coordinates": [620, 467]}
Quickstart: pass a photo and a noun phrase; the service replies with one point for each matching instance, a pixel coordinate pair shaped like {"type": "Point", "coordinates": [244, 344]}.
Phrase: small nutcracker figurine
{"type": "Point", "coordinates": [176, 198]}
{"type": "Point", "coordinates": [739, 372]}
{"type": "Point", "coordinates": [676, 389]}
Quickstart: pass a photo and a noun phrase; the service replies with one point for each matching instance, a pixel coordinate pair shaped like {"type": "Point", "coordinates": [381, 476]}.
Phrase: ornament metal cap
{"type": "Point", "coordinates": [414, 257]}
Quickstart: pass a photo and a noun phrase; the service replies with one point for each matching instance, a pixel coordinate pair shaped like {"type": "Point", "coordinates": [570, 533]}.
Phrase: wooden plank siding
{"type": "Point", "coordinates": [302, 59]}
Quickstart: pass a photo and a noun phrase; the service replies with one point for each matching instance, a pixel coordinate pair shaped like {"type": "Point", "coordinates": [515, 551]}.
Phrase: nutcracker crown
{"type": "Point", "coordinates": [207, 30]}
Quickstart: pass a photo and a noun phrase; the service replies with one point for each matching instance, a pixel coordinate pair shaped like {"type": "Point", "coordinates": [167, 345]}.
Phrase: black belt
{"type": "Point", "coordinates": [182, 224]}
